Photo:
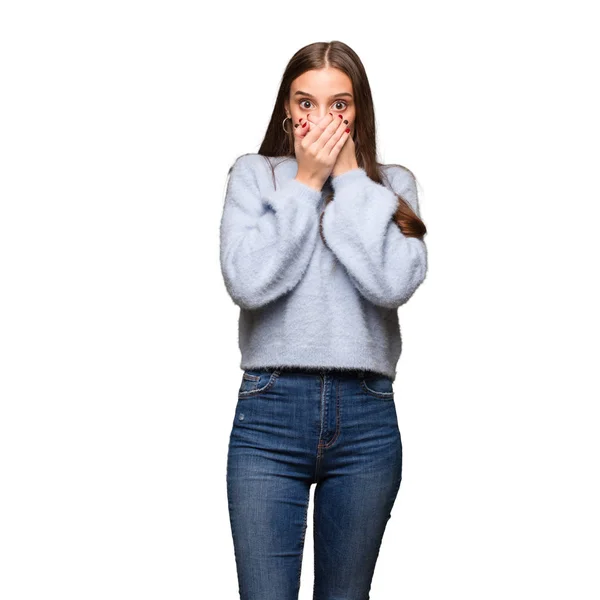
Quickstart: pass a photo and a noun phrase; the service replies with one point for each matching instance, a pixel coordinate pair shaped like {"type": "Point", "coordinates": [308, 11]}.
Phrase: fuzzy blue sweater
{"type": "Point", "coordinates": [307, 304]}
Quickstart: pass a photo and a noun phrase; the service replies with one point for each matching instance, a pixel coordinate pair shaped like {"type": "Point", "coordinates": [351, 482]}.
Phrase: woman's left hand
{"type": "Point", "coordinates": [346, 160]}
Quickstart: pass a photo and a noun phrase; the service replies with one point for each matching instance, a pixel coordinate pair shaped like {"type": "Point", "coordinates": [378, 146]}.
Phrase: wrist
{"type": "Point", "coordinates": [311, 182]}
{"type": "Point", "coordinates": [348, 178]}
{"type": "Point", "coordinates": [341, 169]}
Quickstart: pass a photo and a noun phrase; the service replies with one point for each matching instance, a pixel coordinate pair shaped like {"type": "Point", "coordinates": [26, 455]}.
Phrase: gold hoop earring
{"type": "Point", "coordinates": [283, 125]}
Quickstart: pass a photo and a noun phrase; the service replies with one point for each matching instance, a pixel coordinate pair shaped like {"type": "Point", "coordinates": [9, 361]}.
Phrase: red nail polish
{"type": "Point", "coordinates": [347, 130]}
{"type": "Point", "coordinates": [340, 116]}
{"type": "Point", "coordinates": [304, 124]}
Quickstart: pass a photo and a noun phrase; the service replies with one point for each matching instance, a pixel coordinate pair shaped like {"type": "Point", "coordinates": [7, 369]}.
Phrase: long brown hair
{"type": "Point", "coordinates": [278, 143]}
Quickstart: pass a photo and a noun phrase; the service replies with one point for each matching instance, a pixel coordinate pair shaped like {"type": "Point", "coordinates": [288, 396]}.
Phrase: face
{"type": "Point", "coordinates": [319, 92]}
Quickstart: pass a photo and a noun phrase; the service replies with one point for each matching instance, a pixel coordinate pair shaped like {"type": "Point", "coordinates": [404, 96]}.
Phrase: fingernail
{"type": "Point", "coordinates": [303, 124]}
{"type": "Point", "coordinates": [347, 130]}
{"type": "Point", "coordinates": [346, 121]}
{"type": "Point", "coordinates": [296, 125]}
{"type": "Point", "coordinates": [340, 116]}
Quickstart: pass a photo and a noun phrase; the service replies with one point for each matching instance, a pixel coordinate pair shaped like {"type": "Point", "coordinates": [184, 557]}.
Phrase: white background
{"type": "Point", "coordinates": [119, 364]}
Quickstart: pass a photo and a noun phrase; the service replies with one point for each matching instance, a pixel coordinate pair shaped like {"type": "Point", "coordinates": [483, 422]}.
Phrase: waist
{"type": "Point", "coordinates": [312, 371]}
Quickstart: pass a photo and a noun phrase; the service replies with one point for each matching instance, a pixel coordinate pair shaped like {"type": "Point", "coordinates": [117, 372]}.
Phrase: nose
{"type": "Point", "coordinates": [319, 115]}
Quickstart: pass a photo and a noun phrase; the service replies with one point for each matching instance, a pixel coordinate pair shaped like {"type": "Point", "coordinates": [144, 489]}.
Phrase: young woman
{"type": "Point", "coordinates": [320, 245]}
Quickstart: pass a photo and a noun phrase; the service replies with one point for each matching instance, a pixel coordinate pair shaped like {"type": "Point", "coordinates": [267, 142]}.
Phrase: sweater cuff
{"type": "Point", "coordinates": [348, 178]}
{"type": "Point", "coordinates": [304, 192]}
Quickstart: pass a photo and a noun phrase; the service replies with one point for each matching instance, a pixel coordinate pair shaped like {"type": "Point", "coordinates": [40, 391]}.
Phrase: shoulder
{"type": "Point", "coordinates": [251, 175]}
{"type": "Point", "coordinates": [246, 171]}
{"type": "Point", "coordinates": [259, 171]}
{"type": "Point", "coordinates": [261, 161]}
{"type": "Point", "coordinates": [256, 166]}
{"type": "Point", "coordinates": [397, 174]}
{"type": "Point", "coordinates": [402, 181]}
{"type": "Point", "coordinates": [245, 161]}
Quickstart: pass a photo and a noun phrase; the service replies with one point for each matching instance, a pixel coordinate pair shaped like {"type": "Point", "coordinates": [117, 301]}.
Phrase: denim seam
{"type": "Point", "coordinates": [250, 377]}
{"type": "Point", "coordinates": [303, 538]}
{"type": "Point", "coordinates": [337, 419]}
{"type": "Point", "coordinates": [367, 389]}
{"type": "Point", "coordinates": [323, 407]}
{"type": "Point", "coordinates": [264, 388]}
{"type": "Point", "coordinates": [318, 457]}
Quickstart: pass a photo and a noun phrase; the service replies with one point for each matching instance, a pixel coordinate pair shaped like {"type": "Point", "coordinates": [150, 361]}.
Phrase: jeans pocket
{"type": "Point", "coordinates": [256, 381]}
{"type": "Point", "coordinates": [378, 385]}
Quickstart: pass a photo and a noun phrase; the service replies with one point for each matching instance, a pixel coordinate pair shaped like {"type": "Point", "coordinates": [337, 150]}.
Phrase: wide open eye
{"type": "Point", "coordinates": [336, 104]}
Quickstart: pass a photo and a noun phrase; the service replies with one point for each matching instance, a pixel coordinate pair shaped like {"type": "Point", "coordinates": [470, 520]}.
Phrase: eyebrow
{"type": "Point", "coordinates": [300, 93]}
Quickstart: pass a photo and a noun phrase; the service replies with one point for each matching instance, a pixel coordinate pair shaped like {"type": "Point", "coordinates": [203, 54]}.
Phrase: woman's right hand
{"type": "Point", "coordinates": [317, 146]}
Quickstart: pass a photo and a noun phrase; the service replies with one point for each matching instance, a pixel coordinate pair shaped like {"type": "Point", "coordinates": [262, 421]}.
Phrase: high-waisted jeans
{"type": "Point", "coordinates": [295, 427]}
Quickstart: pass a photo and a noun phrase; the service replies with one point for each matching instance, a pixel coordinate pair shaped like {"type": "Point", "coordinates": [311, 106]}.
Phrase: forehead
{"type": "Point", "coordinates": [322, 82]}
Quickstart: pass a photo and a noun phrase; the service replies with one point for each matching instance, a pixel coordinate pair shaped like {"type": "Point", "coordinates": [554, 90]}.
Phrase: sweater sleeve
{"type": "Point", "coordinates": [266, 238]}
{"type": "Point", "coordinates": [386, 266]}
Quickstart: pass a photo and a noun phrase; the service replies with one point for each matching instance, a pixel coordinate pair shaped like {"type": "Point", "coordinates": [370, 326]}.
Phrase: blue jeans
{"type": "Point", "coordinates": [295, 427]}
